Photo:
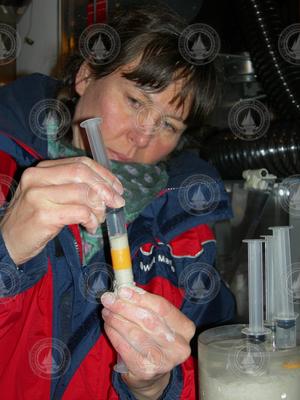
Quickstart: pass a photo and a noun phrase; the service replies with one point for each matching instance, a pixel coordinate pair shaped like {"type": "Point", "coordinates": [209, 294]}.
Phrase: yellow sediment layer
{"type": "Point", "coordinates": [121, 258]}
{"type": "Point", "coordinates": [120, 252]}
{"type": "Point", "coordinates": [291, 365]}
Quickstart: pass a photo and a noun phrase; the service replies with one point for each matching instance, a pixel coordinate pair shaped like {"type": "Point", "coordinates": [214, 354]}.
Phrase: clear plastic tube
{"type": "Point", "coordinates": [282, 270]}
{"type": "Point", "coordinates": [270, 290]}
{"type": "Point", "coordinates": [115, 220]}
{"type": "Point", "coordinates": [119, 247]}
{"type": "Point", "coordinates": [255, 283]}
{"type": "Point", "coordinates": [92, 128]}
{"type": "Point", "coordinates": [284, 308]}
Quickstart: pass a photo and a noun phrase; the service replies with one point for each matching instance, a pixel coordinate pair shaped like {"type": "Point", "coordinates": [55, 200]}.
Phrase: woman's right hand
{"type": "Point", "coordinates": [53, 194]}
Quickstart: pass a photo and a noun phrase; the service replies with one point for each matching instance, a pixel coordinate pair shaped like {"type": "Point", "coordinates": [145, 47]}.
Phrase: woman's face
{"type": "Point", "coordinates": [137, 126]}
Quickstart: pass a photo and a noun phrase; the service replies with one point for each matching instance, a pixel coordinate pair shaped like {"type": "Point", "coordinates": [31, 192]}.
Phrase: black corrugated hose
{"type": "Point", "coordinates": [279, 149]}
{"type": "Point", "coordinates": [261, 24]}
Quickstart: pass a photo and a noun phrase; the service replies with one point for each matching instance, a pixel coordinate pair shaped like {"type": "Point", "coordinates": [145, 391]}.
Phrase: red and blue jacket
{"type": "Point", "coordinates": [52, 341]}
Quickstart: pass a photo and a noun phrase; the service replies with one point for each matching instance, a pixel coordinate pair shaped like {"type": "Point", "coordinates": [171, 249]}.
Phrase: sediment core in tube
{"type": "Point", "coordinates": [120, 252]}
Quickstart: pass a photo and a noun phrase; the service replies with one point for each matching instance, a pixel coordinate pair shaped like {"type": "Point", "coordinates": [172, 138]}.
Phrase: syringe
{"type": "Point", "coordinates": [270, 290]}
{"type": "Point", "coordinates": [115, 218]}
{"type": "Point", "coordinates": [285, 315]}
{"type": "Point", "coordinates": [269, 280]}
{"type": "Point", "coordinates": [256, 329]}
{"type": "Point", "coordinates": [115, 221]}
{"type": "Point", "coordinates": [119, 248]}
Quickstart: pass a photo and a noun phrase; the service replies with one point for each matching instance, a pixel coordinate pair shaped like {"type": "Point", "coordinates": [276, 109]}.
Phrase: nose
{"type": "Point", "coordinates": [140, 137]}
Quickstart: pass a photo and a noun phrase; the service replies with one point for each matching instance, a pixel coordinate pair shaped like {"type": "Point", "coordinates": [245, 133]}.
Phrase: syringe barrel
{"type": "Point", "coordinates": [269, 280]}
{"type": "Point", "coordinates": [282, 269]}
{"type": "Point", "coordinates": [119, 247]}
{"type": "Point", "coordinates": [92, 127]}
{"type": "Point", "coordinates": [286, 333]}
{"type": "Point", "coordinates": [255, 286]}
{"type": "Point", "coordinates": [115, 220]}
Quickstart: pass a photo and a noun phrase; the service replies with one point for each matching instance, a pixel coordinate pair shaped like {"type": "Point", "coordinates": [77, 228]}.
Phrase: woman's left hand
{"type": "Point", "coordinates": [151, 335]}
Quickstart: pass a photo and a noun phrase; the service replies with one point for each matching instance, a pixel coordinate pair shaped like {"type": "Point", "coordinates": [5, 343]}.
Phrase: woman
{"type": "Point", "coordinates": [51, 244]}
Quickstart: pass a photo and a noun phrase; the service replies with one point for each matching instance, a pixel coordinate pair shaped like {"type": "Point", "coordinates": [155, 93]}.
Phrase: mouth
{"type": "Point", "coordinates": [114, 155]}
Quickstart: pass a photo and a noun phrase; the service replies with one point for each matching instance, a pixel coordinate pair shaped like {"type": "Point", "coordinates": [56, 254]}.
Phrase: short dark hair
{"type": "Point", "coordinates": [152, 33]}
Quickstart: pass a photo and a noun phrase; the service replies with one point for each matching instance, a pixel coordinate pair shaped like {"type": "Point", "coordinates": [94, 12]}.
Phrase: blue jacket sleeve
{"type": "Point", "coordinates": [171, 392]}
{"type": "Point", "coordinates": [15, 280]}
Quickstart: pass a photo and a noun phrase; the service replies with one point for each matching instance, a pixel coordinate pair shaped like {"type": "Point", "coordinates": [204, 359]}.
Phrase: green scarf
{"type": "Point", "coordinates": [142, 183]}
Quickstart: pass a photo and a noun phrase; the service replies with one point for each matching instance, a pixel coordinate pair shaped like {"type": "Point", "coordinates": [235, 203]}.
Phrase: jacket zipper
{"type": "Point", "coordinates": [75, 245]}
{"type": "Point", "coordinates": [163, 191]}
{"type": "Point", "coordinates": [76, 248]}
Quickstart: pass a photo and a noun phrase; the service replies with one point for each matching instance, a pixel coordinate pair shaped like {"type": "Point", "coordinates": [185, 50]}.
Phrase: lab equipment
{"type": "Point", "coordinates": [258, 179]}
{"type": "Point", "coordinates": [256, 327]}
{"type": "Point", "coordinates": [269, 280]}
{"type": "Point", "coordinates": [270, 290]}
{"type": "Point", "coordinates": [115, 220]}
{"type": "Point", "coordinates": [285, 316]}
{"type": "Point", "coordinates": [232, 367]}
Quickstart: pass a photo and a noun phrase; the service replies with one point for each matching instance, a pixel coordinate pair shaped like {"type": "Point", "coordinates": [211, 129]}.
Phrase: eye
{"type": "Point", "coordinates": [134, 102]}
{"type": "Point", "coordinates": [170, 127]}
